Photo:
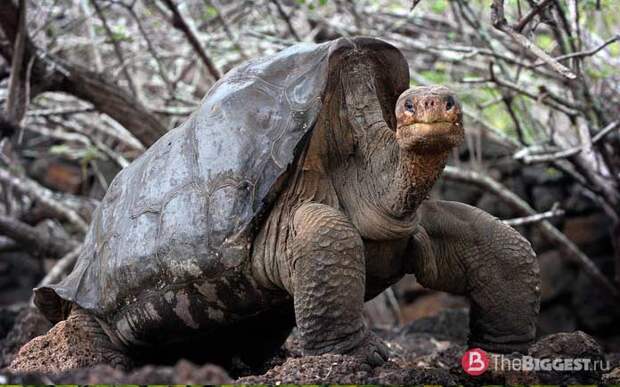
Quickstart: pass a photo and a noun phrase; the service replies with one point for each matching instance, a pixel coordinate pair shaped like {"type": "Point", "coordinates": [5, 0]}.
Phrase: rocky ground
{"type": "Point", "coordinates": [427, 350]}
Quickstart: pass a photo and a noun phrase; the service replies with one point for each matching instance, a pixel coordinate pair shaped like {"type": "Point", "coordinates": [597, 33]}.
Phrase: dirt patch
{"type": "Point", "coordinates": [183, 372]}
{"type": "Point", "coordinates": [342, 369]}
{"type": "Point", "coordinates": [63, 348]}
{"type": "Point", "coordinates": [612, 377]}
{"type": "Point", "coordinates": [314, 370]}
{"type": "Point", "coordinates": [573, 345]}
{"type": "Point", "coordinates": [426, 351]}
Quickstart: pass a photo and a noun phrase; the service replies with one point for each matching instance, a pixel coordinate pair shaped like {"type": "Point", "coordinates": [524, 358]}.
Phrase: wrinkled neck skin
{"type": "Point", "coordinates": [386, 185]}
{"type": "Point", "coordinates": [413, 179]}
{"type": "Point", "coordinates": [378, 184]}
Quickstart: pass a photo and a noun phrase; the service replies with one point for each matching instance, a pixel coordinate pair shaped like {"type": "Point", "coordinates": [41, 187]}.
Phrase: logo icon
{"type": "Point", "coordinates": [475, 361]}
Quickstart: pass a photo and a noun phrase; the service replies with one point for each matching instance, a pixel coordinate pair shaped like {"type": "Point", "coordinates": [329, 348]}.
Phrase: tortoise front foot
{"type": "Point", "coordinates": [328, 283]}
{"type": "Point", "coordinates": [371, 350]}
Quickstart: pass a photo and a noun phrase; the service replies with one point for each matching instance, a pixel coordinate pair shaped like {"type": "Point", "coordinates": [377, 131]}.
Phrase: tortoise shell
{"type": "Point", "coordinates": [187, 210]}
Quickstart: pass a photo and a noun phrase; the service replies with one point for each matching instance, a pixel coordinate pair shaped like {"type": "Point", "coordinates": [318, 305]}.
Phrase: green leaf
{"type": "Point", "coordinates": [435, 75]}
{"type": "Point", "coordinates": [544, 41]}
{"type": "Point", "coordinates": [60, 150]}
{"type": "Point", "coordinates": [209, 13]}
{"type": "Point", "coordinates": [439, 6]}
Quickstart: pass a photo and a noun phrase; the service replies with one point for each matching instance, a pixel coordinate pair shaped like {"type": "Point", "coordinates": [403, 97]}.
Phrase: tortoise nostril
{"type": "Point", "coordinates": [450, 102]}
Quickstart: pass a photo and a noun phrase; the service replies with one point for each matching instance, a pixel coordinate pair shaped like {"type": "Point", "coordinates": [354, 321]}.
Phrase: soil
{"type": "Point", "coordinates": [183, 372]}
{"type": "Point", "coordinates": [64, 347]}
{"type": "Point", "coordinates": [428, 350]}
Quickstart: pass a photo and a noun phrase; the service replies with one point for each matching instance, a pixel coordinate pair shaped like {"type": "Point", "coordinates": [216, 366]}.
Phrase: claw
{"type": "Point", "coordinates": [383, 350]}
{"type": "Point", "coordinates": [372, 350]}
{"type": "Point", "coordinates": [375, 359]}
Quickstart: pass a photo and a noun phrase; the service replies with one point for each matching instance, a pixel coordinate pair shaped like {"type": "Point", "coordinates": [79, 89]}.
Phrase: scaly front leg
{"type": "Point", "coordinates": [463, 250]}
{"type": "Point", "coordinates": [327, 283]}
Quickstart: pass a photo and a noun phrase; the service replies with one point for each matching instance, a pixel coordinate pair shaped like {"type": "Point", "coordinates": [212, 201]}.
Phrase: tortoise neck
{"type": "Point", "coordinates": [414, 177]}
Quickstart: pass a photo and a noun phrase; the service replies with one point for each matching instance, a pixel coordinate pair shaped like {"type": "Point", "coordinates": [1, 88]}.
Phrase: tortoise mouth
{"type": "Point", "coordinates": [441, 134]}
{"type": "Point", "coordinates": [428, 128]}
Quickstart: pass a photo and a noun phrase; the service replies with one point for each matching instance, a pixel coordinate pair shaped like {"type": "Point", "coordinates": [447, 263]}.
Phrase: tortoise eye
{"type": "Point", "coordinates": [409, 106]}
{"type": "Point", "coordinates": [450, 102]}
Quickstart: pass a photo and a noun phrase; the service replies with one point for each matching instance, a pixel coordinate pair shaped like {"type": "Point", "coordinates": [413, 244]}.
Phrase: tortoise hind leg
{"type": "Point", "coordinates": [98, 340]}
{"type": "Point", "coordinates": [77, 342]}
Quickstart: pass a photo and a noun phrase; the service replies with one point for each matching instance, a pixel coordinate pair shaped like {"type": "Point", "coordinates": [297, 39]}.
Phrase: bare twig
{"type": "Point", "coordinates": [499, 22]}
{"type": "Point", "coordinates": [580, 54]}
{"type": "Point", "coordinates": [117, 48]}
{"type": "Point", "coordinates": [414, 3]}
{"type": "Point", "coordinates": [150, 46]}
{"type": "Point", "coordinates": [81, 137]}
{"type": "Point", "coordinates": [562, 105]}
{"type": "Point", "coordinates": [36, 240]}
{"type": "Point", "coordinates": [222, 19]}
{"type": "Point", "coordinates": [174, 110]}
{"type": "Point", "coordinates": [8, 244]}
{"type": "Point", "coordinates": [44, 196]}
{"type": "Point", "coordinates": [179, 22]}
{"type": "Point", "coordinates": [18, 59]}
{"type": "Point", "coordinates": [60, 111]}
{"type": "Point", "coordinates": [287, 19]}
{"type": "Point", "coordinates": [50, 73]}
{"type": "Point", "coordinates": [17, 99]}
{"type": "Point", "coordinates": [527, 18]}
{"type": "Point", "coordinates": [528, 158]}
{"type": "Point", "coordinates": [513, 115]}
{"type": "Point", "coordinates": [62, 267]}
{"type": "Point", "coordinates": [554, 212]}
{"type": "Point", "coordinates": [92, 35]}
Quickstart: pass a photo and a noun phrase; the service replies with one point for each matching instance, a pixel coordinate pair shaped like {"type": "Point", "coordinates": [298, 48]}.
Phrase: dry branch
{"type": "Point", "coordinates": [36, 240]}
{"type": "Point", "coordinates": [151, 47]}
{"type": "Point", "coordinates": [220, 17]}
{"type": "Point", "coordinates": [581, 54]}
{"type": "Point", "coordinates": [287, 20]}
{"type": "Point", "coordinates": [44, 196]}
{"type": "Point", "coordinates": [62, 267]}
{"type": "Point", "coordinates": [50, 73]}
{"type": "Point", "coordinates": [17, 99]}
{"type": "Point", "coordinates": [543, 96]}
{"type": "Point", "coordinates": [533, 12]}
{"type": "Point", "coordinates": [7, 244]}
{"type": "Point", "coordinates": [179, 22]}
{"type": "Point", "coordinates": [117, 47]}
{"type": "Point", "coordinates": [552, 213]}
{"type": "Point", "coordinates": [499, 22]}
{"type": "Point", "coordinates": [525, 155]}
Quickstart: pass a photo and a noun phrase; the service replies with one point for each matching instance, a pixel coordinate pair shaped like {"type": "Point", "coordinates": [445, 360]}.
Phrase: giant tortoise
{"type": "Point", "coordinates": [298, 190]}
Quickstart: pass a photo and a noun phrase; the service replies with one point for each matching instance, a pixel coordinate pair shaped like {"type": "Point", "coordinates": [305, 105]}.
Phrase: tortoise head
{"type": "Point", "coordinates": [428, 119]}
